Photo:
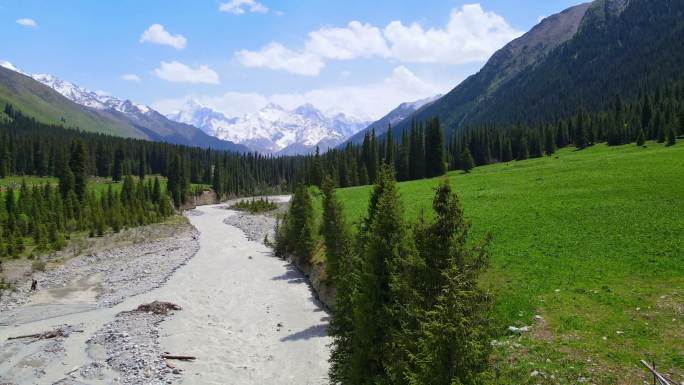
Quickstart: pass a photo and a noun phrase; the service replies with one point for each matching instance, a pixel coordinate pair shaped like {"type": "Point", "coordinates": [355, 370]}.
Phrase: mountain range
{"type": "Point", "coordinates": [52, 100]}
{"type": "Point", "coordinates": [273, 129]}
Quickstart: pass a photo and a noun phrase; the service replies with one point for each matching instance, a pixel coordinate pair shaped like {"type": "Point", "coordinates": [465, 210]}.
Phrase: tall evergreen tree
{"type": "Point", "coordinates": [467, 161]}
{"type": "Point", "coordinates": [384, 244]}
{"type": "Point", "coordinates": [77, 164]}
{"type": "Point", "coordinates": [434, 150]}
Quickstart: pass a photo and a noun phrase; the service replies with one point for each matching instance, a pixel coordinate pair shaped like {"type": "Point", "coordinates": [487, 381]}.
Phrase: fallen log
{"type": "Point", "coordinates": [180, 358]}
{"type": "Point", "coordinates": [61, 332]}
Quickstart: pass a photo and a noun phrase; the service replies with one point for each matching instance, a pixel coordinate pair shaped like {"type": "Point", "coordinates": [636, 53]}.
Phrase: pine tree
{"type": "Point", "coordinates": [549, 142]}
{"type": "Point", "coordinates": [467, 162]}
{"type": "Point", "coordinates": [77, 164]}
{"type": "Point", "coordinates": [523, 152]}
{"type": "Point", "coordinates": [507, 154]}
{"type": "Point", "coordinates": [671, 137]}
{"type": "Point", "coordinates": [298, 232]}
{"type": "Point", "coordinates": [317, 169]}
{"type": "Point", "coordinates": [448, 342]}
{"type": "Point", "coordinates": [434, 150]}
{"type": "Point", "coordinates": [341, 267]}
{"type": "Point", "coordinates": [641, 139]}
{"type": "Point", "coordinates": [66, 180]}
{"type": "Point", "coordinates": [217, 182]}
{"type": "Point", "coordinates": [581, 140]}
{"type": "Point", "coordinates": [384, 245]}
{"type": "Point", "coordinates": [389, 148]}
{"type": "Point", "coordinates": [334, 229]}
{"type": "Point", "coordinates": [118, 171]}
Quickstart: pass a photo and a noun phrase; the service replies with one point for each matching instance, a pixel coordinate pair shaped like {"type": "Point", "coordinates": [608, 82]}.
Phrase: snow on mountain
{"type": "Point", "coordinates": [273, 129]}
{"type": "Point", "coordinates": [92, 99]}
{"type": "Point", "coordinates": [10, 66]}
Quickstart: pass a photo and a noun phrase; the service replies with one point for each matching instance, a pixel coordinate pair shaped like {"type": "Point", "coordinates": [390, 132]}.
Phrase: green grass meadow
{"type": "Point", "coordinates": [592, 241]}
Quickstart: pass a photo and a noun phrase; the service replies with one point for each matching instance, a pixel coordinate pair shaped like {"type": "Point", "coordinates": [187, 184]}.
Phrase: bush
{"type": "Point", "coordinates": [255, 206]}
{"type": "Point", "coordinates": [38, 266]}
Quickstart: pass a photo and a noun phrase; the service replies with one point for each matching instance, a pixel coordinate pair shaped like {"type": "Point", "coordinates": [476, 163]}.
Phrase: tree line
{"type": "Point", "coordinates": [45, 216]}
{"type": "Point", "coordinates": [658, 116]}
{"type": "Point", "coordinates": [408, 308]}
{"type": "Point", "coordinates": [424, 150]}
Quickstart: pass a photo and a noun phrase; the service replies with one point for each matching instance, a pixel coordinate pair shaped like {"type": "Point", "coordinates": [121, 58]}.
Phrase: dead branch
{"type": "Point", "coordinates": [59, 332]}
{"type": "Point", "coordinates": [180, 358]}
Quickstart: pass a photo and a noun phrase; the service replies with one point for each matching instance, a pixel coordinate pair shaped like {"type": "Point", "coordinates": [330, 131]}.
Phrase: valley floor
{"type": "Point", "coordinates": [248, 317]}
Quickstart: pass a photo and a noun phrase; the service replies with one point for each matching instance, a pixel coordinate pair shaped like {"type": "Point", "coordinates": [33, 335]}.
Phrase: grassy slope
{"type": "Point", "coordinates": [584, 239]}
{"type": "Point", "coordinates": [48, 106]}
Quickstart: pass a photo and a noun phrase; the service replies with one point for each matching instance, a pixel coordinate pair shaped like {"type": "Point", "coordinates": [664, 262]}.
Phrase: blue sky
{"type": "Point", "coordinates": [357, 57]}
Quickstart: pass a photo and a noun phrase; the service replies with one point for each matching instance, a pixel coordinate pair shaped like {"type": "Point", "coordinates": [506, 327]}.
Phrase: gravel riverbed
{"type": "Point", "coordinates": [112, 344]}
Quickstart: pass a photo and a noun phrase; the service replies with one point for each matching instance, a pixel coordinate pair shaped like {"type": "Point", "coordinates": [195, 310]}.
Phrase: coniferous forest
{"type": "Point", "coordinates": [31, 148]}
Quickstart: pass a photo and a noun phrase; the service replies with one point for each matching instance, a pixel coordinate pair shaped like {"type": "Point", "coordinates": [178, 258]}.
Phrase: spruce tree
{"type": "Point", "coordinates": [581, 140]}
{"type": "Point", "coordinates": [217, 182]}
{"type": "Point", "coordinates": [118, 171]}
{"type": "Point", "coordinates": [671, 137]}
{"type": "Point", "coordinates": [334, 229]}
{"type": "Point", "coordinates": [77, 164]}
{"type": "Point", "coordinates": [66, 180]}
{"type": "Point", "coordinates": [641, 139]}
{"type": "Point", "coordinates": [523, 151]}
{"type": "Point", "coordinates": [448, 342]}
{"type": "Point", "coordinates": [342, 268]}
{"type": "Point", "coordinates": [384, 244]}
{"type": "Point", "coordinates": [467, 162]}
{"type": "Point", "coordinates": [434, 150]}
{"type": "Point", "coordinates": [298, 237]}
{"type": "Point", "coordinates": [549, 142]}
{"type": "Point", "coordinates": [507, 154]}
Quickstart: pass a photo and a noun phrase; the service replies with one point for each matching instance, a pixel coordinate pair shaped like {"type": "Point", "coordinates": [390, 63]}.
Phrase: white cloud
{"type": "Point", "coordinates": [157, 34]}
{"type": "Point", "coordinates": [26, 22]}
{"type": "Point", "coordinates": [366, 101]}
{"type": "Point", "coordinates": [278, 57]}
{"type": "Point", "coordinates": [471, 35]}
{"type": "Point", "coordinates": [354, 41]}
{"type": "Point", "coordinates": [238, 7]}
{"type": "Point", "coordinates": [178, 72]}
{"type": "Point", "coordinates": [130, 77]}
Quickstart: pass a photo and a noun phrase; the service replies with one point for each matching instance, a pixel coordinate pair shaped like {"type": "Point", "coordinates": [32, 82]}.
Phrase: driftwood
{"type": "Point", "coordinates": [180, 358]}
{"type": "Point", "coordinates": [158, 307]}
{"type": "Point", "coordinates": [60, 332]}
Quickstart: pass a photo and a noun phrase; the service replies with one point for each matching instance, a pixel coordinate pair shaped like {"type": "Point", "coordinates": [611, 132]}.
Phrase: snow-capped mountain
{"type": "Point", "coordinates": [273, 129]}
{"type": "Point", "coordinates": [92, 99]}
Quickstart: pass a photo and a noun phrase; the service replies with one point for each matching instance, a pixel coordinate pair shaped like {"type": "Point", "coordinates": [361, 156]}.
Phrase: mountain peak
{"type": "Point", "coordinates": [273, 106]}
{"type": "Point", "coordinates": [10, 66]}
{"type": "Point", "coordinates": [274, 129]}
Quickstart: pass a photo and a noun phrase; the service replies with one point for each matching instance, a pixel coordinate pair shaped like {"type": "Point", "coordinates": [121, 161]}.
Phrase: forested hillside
{"type": "Point", "coordinates": [620, 49]}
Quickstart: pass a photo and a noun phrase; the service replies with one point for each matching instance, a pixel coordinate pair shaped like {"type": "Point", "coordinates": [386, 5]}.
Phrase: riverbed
{"type": "Point", "coordinates": [248, 317]}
